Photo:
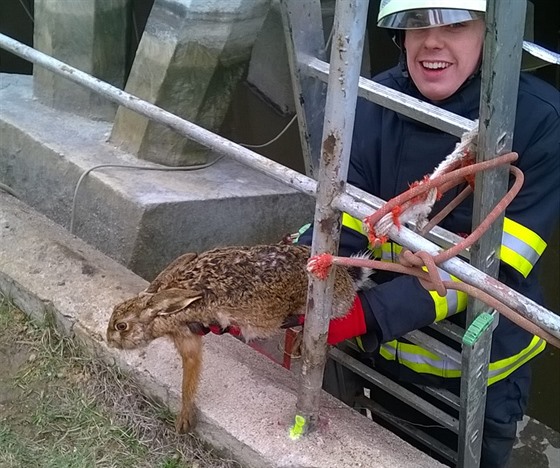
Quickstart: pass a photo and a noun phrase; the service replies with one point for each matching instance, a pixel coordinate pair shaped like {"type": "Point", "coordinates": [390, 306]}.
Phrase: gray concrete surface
{"type": "Point", "coordinates": [192, 56]}
{"type": "Point", "coordinates": [245, 404]}
{"type": "Point", "coordinates": [143, 219]}
{"type": "Point", "coordinates": [92, 37]}
{"type": "Point", "coordinates": [537, 446]}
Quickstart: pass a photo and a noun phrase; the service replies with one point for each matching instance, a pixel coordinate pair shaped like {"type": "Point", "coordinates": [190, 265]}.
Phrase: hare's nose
{"type": "Point", "coordinates": [112, 343]}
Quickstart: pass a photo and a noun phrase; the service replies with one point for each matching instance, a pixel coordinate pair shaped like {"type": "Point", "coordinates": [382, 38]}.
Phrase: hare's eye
{"type": "Point", "coordinates": [121, 326]}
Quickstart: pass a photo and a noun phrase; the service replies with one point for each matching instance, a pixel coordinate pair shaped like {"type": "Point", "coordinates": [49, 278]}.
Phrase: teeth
{"type": "Point", "coordinates": [435, 65]}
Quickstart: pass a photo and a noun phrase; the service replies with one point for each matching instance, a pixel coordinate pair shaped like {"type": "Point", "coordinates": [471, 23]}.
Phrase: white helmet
{"type": "Point", "coordinates": [416, 14]}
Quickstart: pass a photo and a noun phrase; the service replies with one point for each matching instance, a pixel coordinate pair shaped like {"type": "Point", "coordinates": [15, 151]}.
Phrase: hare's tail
{"type": "Point", "coordinates": [361, 276]}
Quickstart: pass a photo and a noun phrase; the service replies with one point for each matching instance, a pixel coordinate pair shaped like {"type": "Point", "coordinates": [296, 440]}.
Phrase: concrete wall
{"type": "Point", "coordinates": [143, 219]}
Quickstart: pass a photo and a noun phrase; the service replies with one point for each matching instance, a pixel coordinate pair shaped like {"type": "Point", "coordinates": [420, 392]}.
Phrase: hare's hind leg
{"type": "Point", "coordinates": [190, 349]}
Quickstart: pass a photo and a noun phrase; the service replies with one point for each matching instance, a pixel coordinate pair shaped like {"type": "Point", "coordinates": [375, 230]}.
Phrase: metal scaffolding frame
{"type": "Point", "coordinates": [500, 74]}
{"type": "Point", "coordinates": [331, 141]}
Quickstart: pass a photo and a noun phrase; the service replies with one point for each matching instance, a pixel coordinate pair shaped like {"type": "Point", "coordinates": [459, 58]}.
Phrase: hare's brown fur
{"type": "Point", "coordinates": [254, 288]}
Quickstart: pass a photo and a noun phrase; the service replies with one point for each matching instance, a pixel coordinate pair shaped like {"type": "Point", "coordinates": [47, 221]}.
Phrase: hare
{"type": "Point", "coordinates": [252, 288]}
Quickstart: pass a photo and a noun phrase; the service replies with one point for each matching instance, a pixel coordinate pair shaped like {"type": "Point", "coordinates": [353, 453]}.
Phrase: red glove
{"type": "Point", "coordinates": [199, 329]}
{"type": "Point", "coordinates": [351, 325]}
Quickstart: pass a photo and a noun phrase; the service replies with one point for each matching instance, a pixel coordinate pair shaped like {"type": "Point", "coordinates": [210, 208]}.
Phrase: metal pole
{"type": "Point", "coordinates": [184, 127]}
{"type": "Point", "coordinates": [354, 201]}
{"type": "Point", "coordinates": [303, 30]}
{"type": "Point", "coordinates": [346, 58]}
{"type": "Point", "coordinates": [498, 102]}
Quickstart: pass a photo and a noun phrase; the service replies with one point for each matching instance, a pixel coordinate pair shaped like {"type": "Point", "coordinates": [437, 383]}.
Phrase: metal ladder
{"type": "Point", "coordinates": [326, 119]}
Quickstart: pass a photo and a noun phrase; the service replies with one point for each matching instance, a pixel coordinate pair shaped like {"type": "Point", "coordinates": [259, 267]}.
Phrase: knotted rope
{"type": "Point", "coordinates": [415, 205]}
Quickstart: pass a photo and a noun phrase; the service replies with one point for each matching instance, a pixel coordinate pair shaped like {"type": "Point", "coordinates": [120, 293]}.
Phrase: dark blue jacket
{"type": "Point", "coordinates": [390, 151]}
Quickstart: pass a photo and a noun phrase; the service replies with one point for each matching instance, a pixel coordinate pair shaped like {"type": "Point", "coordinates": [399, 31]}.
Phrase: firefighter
{"type": "Point", "coordinates": [440, 63]}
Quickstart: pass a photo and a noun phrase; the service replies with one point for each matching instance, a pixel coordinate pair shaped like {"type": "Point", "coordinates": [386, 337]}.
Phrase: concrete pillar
{"type": "Point", "coordinates": [90, 35]}
{"type": "Point", "coordinates": [191, 57]}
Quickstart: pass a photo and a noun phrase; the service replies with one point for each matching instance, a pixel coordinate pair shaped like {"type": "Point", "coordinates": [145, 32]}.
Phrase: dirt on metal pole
{"type": "Point", "coordinates": [346, 57]}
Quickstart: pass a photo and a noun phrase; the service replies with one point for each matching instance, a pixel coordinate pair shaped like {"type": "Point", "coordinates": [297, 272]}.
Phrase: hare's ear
{"type": "Point", "coordinates": [170, 301]}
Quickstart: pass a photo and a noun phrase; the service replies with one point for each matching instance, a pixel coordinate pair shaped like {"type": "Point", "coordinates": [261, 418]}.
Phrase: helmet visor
{"type": "Point", "coordinates": [427, 18]}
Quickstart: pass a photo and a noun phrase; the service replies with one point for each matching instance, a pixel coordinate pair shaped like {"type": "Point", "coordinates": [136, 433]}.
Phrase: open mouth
{"type": "Point", "coordinates": [435, 65]}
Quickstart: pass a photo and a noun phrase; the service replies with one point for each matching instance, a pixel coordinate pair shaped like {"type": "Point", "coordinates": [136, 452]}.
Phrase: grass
{"type": "Point", "coordinates": [61, 408]}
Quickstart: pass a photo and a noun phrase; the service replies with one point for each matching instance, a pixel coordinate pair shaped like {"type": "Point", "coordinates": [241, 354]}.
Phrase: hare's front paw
{"type": "Point", "coordinates": [185, 422]}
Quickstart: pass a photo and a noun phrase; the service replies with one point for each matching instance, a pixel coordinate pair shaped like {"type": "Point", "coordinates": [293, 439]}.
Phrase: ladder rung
{"type": "Point", "coordinates": [408, 428]}
{"type": "Point", "coordinates": [449, 329]}
{"type": "Point", "coordinates": [400, 102]}
{"type": "Point", "coordinates": [432, 344]}
{"type": "Point", "coordinates": [393, 388]}
{"type": "Point", "coordinates": [442, 395]}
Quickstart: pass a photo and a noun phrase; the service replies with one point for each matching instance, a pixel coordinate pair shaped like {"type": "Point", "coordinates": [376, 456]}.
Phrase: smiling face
{"type": "Point", "coordinates": [440, 59]}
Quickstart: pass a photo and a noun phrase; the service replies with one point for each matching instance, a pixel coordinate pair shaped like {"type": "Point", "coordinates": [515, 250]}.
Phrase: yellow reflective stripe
{"type": "Point", "coordinates": [513, 259]}
{"type": "Point", "coordinates": [440, 304]}
{"type": "Point", "coordinates": [521, 248]}
{"type": "Point", "coordinates": [428, 368]}
{"type": "Point", "coordinates": [452, 303]}
{"type": "Point", "coordinates": [356, 225]}
{"type": "Point", "coordinates": [525, 234]}
{"type": "Point", "coordinates": [388, 252]}
{"type": "Point", "coordinates": [352, 223]}
{"type": "Point", "coordinates": [418, 350]}
{"type": "Point", "coordinates": [391, 248]}
{"type": "Point", "coordinates": [501, 369]}
{"type": "Point", "coordinates": [359, 343]}
{"type": "Point", "coordinates": [389, 350]}
{"type": "Point", "coordinates": [424, 361]}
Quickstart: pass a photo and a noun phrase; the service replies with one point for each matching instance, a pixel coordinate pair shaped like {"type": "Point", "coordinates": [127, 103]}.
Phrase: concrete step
{"type": "Point", "coordinates": [245, 403]}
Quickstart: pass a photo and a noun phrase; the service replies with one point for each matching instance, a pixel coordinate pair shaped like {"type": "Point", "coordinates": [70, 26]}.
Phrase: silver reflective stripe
{"type": "Point", "coordinates": [496, 372]}
{"type": "Point", "coordinates": [387, 256]}
{"type": "Point", "coordinates": [441, 364]}
{"type": "Point", "coordinates": [526, 354]}
{"type": "Point", "coordinates": [390, 251]}
{"type": "Point", "coordinates": [451, 296]}
{"type": "Point", "coordinates": [389, 349]}
{"type": "Point", "coordinates": [437, 363]}
{"type": "Point", "coordinates": [520, 247]}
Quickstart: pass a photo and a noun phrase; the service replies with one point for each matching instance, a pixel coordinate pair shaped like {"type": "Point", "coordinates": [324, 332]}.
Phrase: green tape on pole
{"type": "Point", "coordinates": [297, 430]}
{"type": "Point", "coordinates": [477, 328]}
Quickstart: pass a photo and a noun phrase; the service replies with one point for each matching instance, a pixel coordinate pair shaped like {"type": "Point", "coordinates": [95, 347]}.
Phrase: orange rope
{"type": "Point", "coordinates": [420, 189]}
{"type": "Point", "coordinates": [412, 264]}
{"type": "Point", "coordinates": [430, 280]}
